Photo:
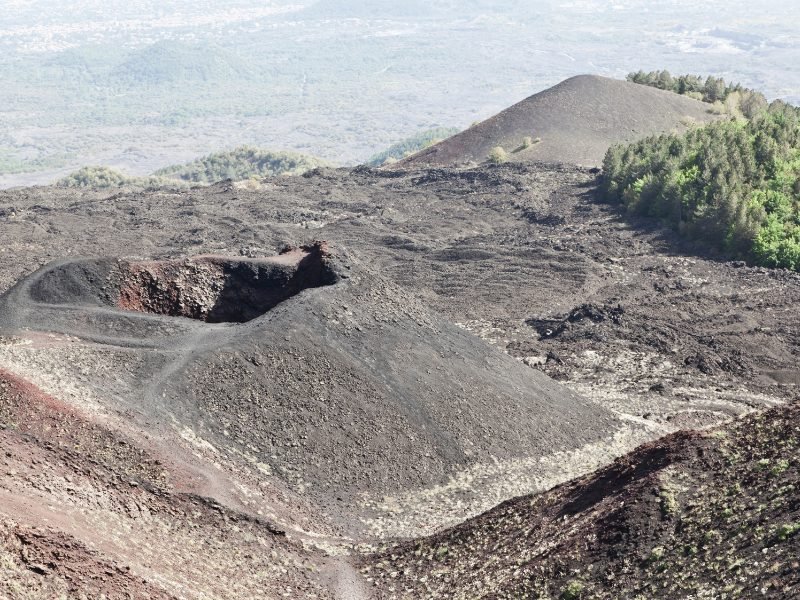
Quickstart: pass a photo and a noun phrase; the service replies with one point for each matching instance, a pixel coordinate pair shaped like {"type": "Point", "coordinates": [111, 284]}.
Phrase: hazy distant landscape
{"type": "Point", "coordinates": [96, 83]}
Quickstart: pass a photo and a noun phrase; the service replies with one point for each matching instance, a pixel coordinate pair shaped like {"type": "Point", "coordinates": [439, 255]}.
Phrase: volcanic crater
{"type": "Point", "coordinates": [220, 290]}
{"type": "Point", "coordinates": [208, 288]}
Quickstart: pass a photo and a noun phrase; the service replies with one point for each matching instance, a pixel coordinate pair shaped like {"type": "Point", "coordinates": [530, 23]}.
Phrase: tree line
{"type": "Point", "coordinates": [729, 97]}
{"type": "Point", "coordinates": [239, 164]}
{"type": "Point", "coordinates": [101, 177]}
{"type": "Point", "coordinates": [734, 184]}
{"type": "Point", "coordinates": [242, 163]}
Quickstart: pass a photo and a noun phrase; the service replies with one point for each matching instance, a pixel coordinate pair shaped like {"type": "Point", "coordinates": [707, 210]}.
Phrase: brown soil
{"type": "Point", "coordinates": [88, 513]}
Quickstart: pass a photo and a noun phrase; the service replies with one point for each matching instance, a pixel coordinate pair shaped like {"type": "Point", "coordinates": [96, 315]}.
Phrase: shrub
{"type": "Point", "coordinates": [527, 142]}
{"type": "Point", "coordinates": [668, 502]}
{"type": "Point", "coordinates": [573, 590]}
{"type": "Point", "coordinates": [786, 531]}
{"type": "Point", "coordinates": [656, 554]}
{"type": "Point", "coordinates": [497, 155]}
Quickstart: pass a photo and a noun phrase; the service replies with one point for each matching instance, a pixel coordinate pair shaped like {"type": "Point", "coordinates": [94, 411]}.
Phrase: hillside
{"type": "Point", "coordinates": [411, 145]}
{"type": "Point", "coordinates": [575, 122]}
{"type": "Point", "coordinates": [344, 405]}
{"type": "Point", "coordinates": [89, 509]}
{"type": "Point", "coordinates": [173, 62]}
{"type": "Point", "coordinates": [701, 515]}
{"type": "Point", "coordinates": [201, 412]}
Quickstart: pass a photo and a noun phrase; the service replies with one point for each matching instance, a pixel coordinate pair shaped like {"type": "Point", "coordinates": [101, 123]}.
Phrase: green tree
{"type": "Point", "coordinates": [714, 89]}
{"type": "Point", "coordinates": [734, 184]}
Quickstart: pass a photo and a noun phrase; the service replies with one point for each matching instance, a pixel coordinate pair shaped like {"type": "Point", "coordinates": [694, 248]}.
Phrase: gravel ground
{"type": "Point", "coordinates": [466, 290]}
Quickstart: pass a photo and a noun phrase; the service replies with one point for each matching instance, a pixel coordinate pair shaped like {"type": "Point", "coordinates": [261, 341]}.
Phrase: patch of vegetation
{"type": "Point", "coordinates": [779, 467]}
{"type": "Point", "coordinates": [656, 554]}
{"type": "Point", "coordinates": [412, 145]}
{"type": "Point", "coordinates": [106, 177]}
{"type": "Point", "coordinates": [170, 61]}
{"type": "Point", "coordinates": [733, 185]}
{"type": "Point", "coordinates": [668, 501]}
{"type": "Point", "coordinates": [727, 97]}
{"type": "Point", "coordinates": [786, 531]}
{"type": "Point", "coordinates": [573, 590]}
{"type": "Point", "coordinates": [497, 155]}
{"type": "Point", "coordinates": [242, 163]}
{"type": "Point", "coordinates": [10, 164]}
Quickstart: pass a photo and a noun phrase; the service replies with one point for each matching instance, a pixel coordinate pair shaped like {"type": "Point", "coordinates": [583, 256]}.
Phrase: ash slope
{"type": "Point", "coordinates": [576, 122]}
{"type": "Point", "coordinates": [90, 511]}
{"type": "Point", "coordinates": [712, 514]}
{"type": "Point", "coordinates": [507, 252]}
{"type": "Point", "coordinates": [348, 391]}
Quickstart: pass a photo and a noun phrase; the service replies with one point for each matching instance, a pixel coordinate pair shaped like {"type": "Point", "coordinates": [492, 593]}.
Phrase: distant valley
{"type": "Point", "coordinates": [141, 93]}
